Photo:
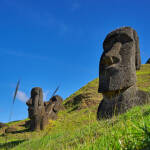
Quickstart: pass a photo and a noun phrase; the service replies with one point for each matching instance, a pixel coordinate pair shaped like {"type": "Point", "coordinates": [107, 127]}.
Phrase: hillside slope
{"type": "Point", "coordinates": [85, 97]}
{"type": "Point", "coordinates": [88, 95]}
{"type": "Point", "coordinates": [79, 129]}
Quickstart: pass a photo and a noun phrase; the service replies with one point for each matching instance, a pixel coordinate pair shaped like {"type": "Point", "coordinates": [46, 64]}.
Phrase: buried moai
{"type": "Point", "coordinates": [40, 112]}
{"type": "Point", "coordinates": [117, 73]}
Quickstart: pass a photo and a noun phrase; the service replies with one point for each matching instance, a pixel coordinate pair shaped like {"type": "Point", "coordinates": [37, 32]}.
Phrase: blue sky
{"type": "Point", "coordinates": [50, 42]}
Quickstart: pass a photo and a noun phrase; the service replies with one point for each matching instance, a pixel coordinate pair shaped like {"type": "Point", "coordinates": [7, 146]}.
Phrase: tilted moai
{"type": "Point", "coordinates": [117, 73]}
{"type": "Point", "coordinates": [53, 106]}
{"type": "Point", "coordinates": [40, 112]}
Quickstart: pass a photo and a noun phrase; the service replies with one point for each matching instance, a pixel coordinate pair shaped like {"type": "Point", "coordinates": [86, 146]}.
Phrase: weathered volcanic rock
{"type": "Point", "coordinates": [83, 100]}
{"type": "Point", "coordinates": [10, 130]}
{"type": "Point", "coordinates": [40, 112]}
{"type": "Point", "coordinates": [121, 102]}
{"type": "Point", "coordinates": [119, 60]}
{"type": "Point", "coordinates": [3, 125]}
{"type": "Point", "coordinates": [117, 73]}
{"type": "Point", "coordinates": [148, 61]}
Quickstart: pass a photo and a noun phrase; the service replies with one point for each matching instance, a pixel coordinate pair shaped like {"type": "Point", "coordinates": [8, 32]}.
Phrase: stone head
{"type": "Point", "coordinates": [37, 96]}
{"type": "Point", "coordinates": [54, 104]}
{"type": "Point", "coordinates": [35, 101]}
{"type": "Point", "coordinates": [119, 61]}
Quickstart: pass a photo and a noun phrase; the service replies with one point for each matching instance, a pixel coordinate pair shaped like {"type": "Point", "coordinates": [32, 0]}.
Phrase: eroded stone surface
{"type": "Point", "coordinates": [120, 59]}
{"type": "Point", "coordinates": [117, 73]}
{"type": "Point", "coordinates": [53, 106]}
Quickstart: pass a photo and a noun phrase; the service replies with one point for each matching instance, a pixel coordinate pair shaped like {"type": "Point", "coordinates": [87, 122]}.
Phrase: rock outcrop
{"type": "Point", "coordinates": [40, 112]}
{"type": "Point", "coordinates": [3, 125]}
{"type": "Point", "coordinates": [10, 130]}
{"type": "Point", "coordinates": [117, 73]}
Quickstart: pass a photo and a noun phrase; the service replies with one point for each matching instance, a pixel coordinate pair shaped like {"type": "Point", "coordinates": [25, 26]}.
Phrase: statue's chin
{"type": "Point", "coordinates": [115, 79]}
{"type": "Point", "coordinates": [112, 70]}
{"type": "Point", "coordinates": [111, 94]}
{"type": "Point", "coordinates": [109, 72]}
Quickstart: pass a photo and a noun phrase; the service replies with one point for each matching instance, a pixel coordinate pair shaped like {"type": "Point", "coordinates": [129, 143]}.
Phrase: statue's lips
{"type": "Point", "coordinates": [110, 62]}
{"type": "Point", "coordinates": [111, 66]}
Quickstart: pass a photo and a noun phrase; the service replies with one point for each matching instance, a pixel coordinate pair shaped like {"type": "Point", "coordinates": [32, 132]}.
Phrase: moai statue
{"type": "Point", "coordinates": [117, 73]}
{"type": "Point", "coordinates": [36, 109]}
{"type": "Point", "coordinates": [53, 106]}
{"type": "Point", "coordinates": [40, 112]}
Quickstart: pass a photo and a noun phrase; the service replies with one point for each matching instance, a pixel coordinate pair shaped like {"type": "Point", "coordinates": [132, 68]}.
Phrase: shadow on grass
{"type": "Point", "coordinates": [146, 113]}
{"type": "Point", "coordinates": [73, 109]}
{"type": "Point", "coordinates": [26, 124]}
{"type": "Point", "coordinates": [144, 143]}
{"type": "Point", "coordinates": [146, 139]}
{"type": "Point", "coordinates": [15, 132]}
{"type": "Point", "coordinates": [21, 131]}
{"type": "Point", "coordinates": [11, 144]}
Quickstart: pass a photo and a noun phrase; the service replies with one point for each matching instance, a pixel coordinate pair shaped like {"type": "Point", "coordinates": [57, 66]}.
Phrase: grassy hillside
{"type": "Point", "coordinates": [85, 97]}
{"type": "Point", "coordinates": [77, 127]}
{"type": "Point", "coordinates": [88, 95]}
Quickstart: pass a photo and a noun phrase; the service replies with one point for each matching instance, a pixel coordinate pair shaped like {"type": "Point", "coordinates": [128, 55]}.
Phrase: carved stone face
{"type": "Point", "coordinates": [35, 102]}
{"type": "Point", "coordinates": [119, 60]}
{"type": "Point", "coordinates": [37, 96]}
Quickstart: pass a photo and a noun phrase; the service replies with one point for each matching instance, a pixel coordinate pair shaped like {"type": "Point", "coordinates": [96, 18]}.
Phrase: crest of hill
{"type": "Point", "coordinates": [85, 97]}
{"type": "Point", "coordinates": [88, 95]}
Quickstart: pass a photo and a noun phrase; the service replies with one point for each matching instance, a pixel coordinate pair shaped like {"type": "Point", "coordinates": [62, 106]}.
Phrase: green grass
{"type": "Point", "coordinates": [143, 78]}
{"type": "Point", "coordinates": [81, 131]}
{"type": "Point", "coordinates": [78, 129]}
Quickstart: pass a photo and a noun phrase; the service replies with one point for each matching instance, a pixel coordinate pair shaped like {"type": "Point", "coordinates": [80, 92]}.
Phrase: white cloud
{"type": "Point", "coordinates": [22, 96]}
{"type": "Point", "coordinates": [45, 94]}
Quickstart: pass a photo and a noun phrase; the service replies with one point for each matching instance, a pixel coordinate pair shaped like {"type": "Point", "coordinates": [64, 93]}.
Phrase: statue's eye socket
{"type": "Point", "coordinates": [108, 44]}
{"type": "Point", "coordinates": [122, 38]}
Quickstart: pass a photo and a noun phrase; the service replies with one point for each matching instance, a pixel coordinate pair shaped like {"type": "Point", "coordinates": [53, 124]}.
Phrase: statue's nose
{"type": "Point", "coordinates": [107, 60]}
{"type": "Point", "coordinates": [114, 51]}
{"type": "Point", "coordinates": [112, 56]}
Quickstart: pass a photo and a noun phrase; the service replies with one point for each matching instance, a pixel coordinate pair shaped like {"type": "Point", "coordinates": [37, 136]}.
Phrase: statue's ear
{"type": "Point", "coordinates": [29, 102]}
{"type": "Point", "coordinates": [137, 51]}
